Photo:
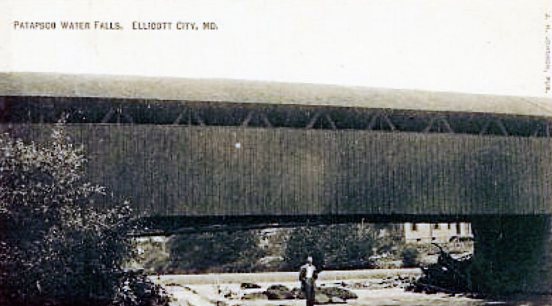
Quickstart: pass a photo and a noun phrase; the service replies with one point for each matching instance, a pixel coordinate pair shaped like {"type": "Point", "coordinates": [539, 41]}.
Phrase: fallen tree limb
{"type": "Point", "coordinates": [448, 275]}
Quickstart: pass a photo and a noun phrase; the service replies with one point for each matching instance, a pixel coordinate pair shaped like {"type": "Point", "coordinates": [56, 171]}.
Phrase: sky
{"type": "Point", "coordinates": [486, 46]}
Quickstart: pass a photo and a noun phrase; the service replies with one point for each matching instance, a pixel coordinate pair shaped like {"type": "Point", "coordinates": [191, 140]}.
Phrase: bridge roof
{"type": "Point", "coordinates": [238, 91]}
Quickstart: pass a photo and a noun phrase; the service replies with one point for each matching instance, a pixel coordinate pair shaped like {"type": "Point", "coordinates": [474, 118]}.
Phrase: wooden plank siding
{"type": "Point", "coordinates": [174, 170]}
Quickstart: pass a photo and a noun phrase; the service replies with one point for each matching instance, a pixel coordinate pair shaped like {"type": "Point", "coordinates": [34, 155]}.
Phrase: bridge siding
{"type": "Point", "coordinates": [197, 171]}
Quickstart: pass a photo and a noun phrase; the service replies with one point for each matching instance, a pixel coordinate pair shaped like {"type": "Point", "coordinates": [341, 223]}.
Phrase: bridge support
{"type": "Point", "coordinates": [513, 254]}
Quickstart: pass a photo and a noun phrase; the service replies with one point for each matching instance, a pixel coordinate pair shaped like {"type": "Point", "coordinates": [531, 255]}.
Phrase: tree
{"type": "Point", "coordinates": [56, 246]}
{"type": "Point", "coordinates": [236, 251]}
{"type": "Point", "coordinates": [410, 257]}
{"type": "Point", "coordinates": [332, 247]}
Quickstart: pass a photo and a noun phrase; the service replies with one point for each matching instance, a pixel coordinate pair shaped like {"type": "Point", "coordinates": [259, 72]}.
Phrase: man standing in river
{"type": "Point", "coordinates": [307, 276]}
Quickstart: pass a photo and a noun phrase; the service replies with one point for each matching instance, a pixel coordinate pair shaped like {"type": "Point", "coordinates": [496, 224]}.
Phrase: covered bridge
{"type": "Point", "coordinates": [217, 151]}
{"type": "Point", "coordinates": [207, 148]}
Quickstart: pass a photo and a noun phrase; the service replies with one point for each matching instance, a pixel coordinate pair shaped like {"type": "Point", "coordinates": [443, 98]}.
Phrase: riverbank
{"type": "Point", "coordinates": [266, 277]}
{"type": "Point", "coordinates": [383, 287]}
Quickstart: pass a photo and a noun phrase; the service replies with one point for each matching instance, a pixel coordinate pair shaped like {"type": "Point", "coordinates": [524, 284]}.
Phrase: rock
{"type": "Point", "coordinates": [227, 292]}
{"type": "Point", "coordinates": [321, 298]}
{"type": "Point", "coordinates": [249, 286]}
{"type": "Point", "coordinates": [279, 292]}
{"type": "Point", "coordinates": [190, 289]}
{"type": "Point", "coordinates": [337, 300]}
{"type": "Point", "coordinates": [278, 287]}
{"type": "Point", "coordinates": [279, 295]}
{"type": "Point", "coordinates": [341, 293]}
{"type": "Point", "coordinates": [255, 296]}
{"type": "Point", "coordinates": [298, 293]}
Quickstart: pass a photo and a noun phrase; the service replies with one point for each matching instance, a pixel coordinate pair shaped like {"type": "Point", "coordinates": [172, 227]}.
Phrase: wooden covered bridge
{"type": "Point", "coordinates": [217, 151]}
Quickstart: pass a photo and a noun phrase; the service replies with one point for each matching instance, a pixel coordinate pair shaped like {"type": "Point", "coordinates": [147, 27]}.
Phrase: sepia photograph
{"type": "Point", "coordinates": [275, 153]}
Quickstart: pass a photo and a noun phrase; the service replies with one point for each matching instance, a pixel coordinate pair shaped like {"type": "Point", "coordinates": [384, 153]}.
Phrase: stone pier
{"type": "Point", "coordinates": [512, 254]}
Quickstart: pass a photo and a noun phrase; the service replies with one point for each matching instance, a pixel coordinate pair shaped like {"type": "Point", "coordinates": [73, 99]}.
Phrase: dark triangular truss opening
{"type": "Point", "coordinates": [117, 115]}
{"type": "Point", "coordinates": [380, 122]}
{"type": "Point", "coordinates": [321, 121]}
{"type": "Point", "coordinates": [494, 127]}
{"type": "Point", "coordinates": [189, 117]}
{"type": "Point", "coordinates": [543, 130]}
{"type": "Point", "coordinates": [256, 119]}
{"type": "Point", "coordinates": [438, 125]}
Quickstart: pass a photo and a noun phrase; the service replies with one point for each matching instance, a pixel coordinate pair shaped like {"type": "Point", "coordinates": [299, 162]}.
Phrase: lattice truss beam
{"type": "Point", "coordinates": [281, 116]}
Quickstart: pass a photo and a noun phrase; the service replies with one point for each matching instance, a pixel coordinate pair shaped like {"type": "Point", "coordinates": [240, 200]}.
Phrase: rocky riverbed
{"type": "Point", "coordinates": [377, 288]}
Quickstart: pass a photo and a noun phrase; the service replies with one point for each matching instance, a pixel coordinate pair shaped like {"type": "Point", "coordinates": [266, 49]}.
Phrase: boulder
{"type": "Point", "coordinates": [341, 293]}
{"type": "Point", "coordinates": [321, 298]}
{"type": "Point", "coordinates": [336, 300]}
{"type": "Point", "coordinates": [298, 293]}
{"type": "Point", "coordinates": [255, 296]}
{"type": "Point", "coordinates": [279, 292]}
{"type": "Point", "coordinates": [249, 286]}
{"type": "Point", "coordinates": [278, 287]}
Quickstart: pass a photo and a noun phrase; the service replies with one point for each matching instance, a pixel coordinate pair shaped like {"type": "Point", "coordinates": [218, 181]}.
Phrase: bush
{"type": "Point", "coordinates": [410, 257]}
{"type": "Point", "coordinates": [236, 251]}
{"type": "Point", "coordinates": [151, 255]}
{"type": "Point", "coordinates": [138, 290]}
{"type": "Point", "coordinates": [341, 246]}
{"type": "Point", "coordinates": [55, 246]}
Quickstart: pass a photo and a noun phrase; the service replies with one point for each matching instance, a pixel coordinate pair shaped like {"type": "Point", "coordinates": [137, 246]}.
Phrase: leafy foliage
{"type": "Point", "coordinates": [409, 257]}
{"type": "Point", "coordinates": [236, 251]}
{"type": "Point", "coordinates": [332, 247]}
{"type": "Point", "coordinates": [55, 247]}
{"type": "Point", "coordinates": [138, 290]}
